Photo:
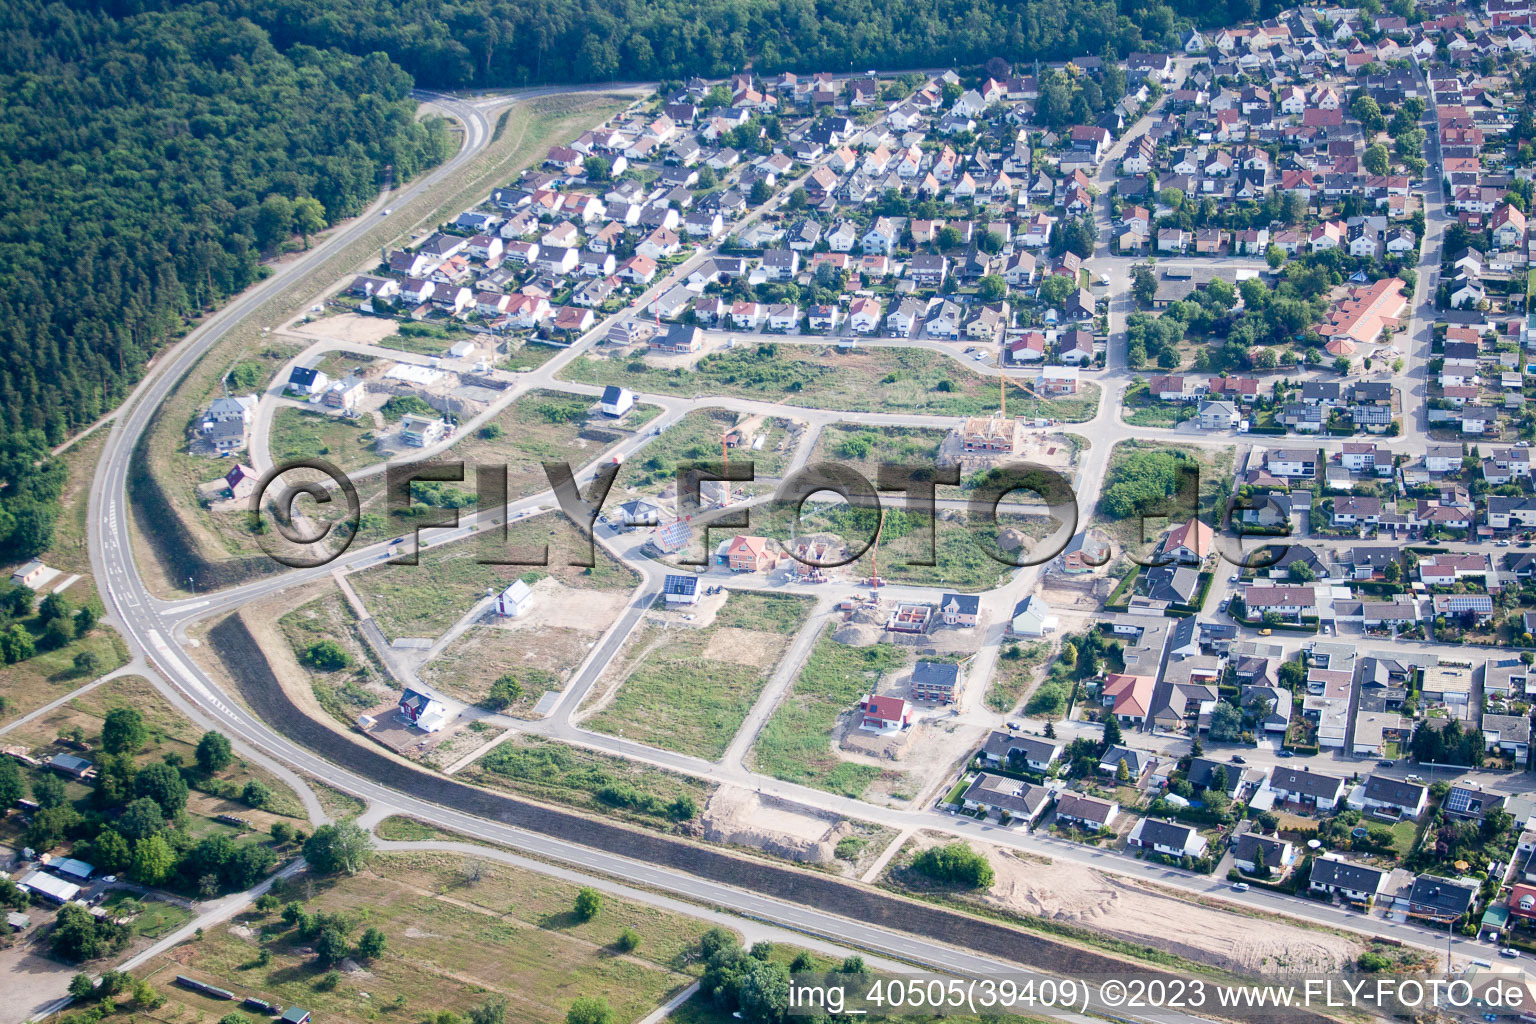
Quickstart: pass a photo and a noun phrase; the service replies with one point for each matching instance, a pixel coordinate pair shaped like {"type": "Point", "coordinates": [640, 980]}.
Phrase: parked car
{"type": "Point", "coordinates": [1385, 762]}
{"type": "Point", "coordinates": [1239, 886]}
{"type": "Point", "coordinates": [1239, 759]}
{"type": "Point", "coordinates": [1287, 753]}
{"type": "Point", "coordinates": [1509, 954]}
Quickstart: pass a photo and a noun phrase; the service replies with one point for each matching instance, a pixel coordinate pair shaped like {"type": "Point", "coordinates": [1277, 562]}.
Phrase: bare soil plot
{"type": "Point", "coordinates": [1119, 906]}
{"type": "Point", "coordinates": [540, 650]}
{"type": "Point", "coordinates": [458, 930]}
{"type": "Point", "coordinates": [350, 327]}
{"type": "Point", "coordinates": [423, 600]}
{"type": "Point", "coordinates": [688, 688]}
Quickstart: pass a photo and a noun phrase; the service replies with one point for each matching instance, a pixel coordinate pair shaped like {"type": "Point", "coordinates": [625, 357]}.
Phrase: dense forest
{"type": "Point", "coordinates": [517, 42]}
{"type": "Point", "coordinates": [146, 162]}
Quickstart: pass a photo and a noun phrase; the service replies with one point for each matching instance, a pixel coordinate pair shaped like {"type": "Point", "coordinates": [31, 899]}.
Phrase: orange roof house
{"type": "Point", "coordinates": [1365, 313]}
{"type": "Point", "coordinates": [1189, 542]}
{"type": "Point", "coordinates": [1128, 696]}
{"type": "Point", "coordinates": [749, 554]}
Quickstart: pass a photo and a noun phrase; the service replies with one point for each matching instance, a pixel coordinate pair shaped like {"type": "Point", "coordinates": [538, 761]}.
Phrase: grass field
{"type": "Point", "coordinates": [796, 743]}
{"type": "Point", "coordinates": [865, 448]}
{"type": "Point", "coordinates": [696, 438]}
{"type": "Point", "coordinates": [960, 559]}
{"type": "Point", "coordinates": [678, 697]}
{"type": "Point", "coordinates": [1143, 410]}
{"type": "Point", "coordinates": [425, 599]}
{"type": "Point", "coordinates": [455, 937]}
{"type": "Point", "coordinates": [304, 434]}
{"type": "Point", "coordinates": [352, 689]}
{"type": "Point", "coordinates": [554, 771]}
{"type": "Point", "coordinates": [170, 734]}
{"type": "Point", "coordinates": [865, 380]}
{"type": "Point", "coordinates": [542, 426]}
{"type": "Point", "coordinates": [1013, 674]}
{"type": "Point", "coordinates": [529, 356]}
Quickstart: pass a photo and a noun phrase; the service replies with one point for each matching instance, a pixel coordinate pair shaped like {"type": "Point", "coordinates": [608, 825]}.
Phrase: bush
{"type": "Point", "coordinates": [955, 864]}
{"type": "Point", "coordinates": [327, 656]}
{"type": "Point", "coordinates": [628, 941]}
{"type": "Point", "coordinates": [589, 902]}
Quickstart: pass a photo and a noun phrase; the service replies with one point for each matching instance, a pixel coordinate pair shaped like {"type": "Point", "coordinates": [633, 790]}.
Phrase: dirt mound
{"type": "Point", "coordinates": [1010, 539]}
{"type": "Point", "coordinates": [856, 635]}
{"type": "Point", "coordinates": [886, 746]}
{"type": "Point", "coordinates": [744, 818]}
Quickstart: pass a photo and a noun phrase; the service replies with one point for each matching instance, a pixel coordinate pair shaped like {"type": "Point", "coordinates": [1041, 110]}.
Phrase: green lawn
{"type": "Point", "coordinates": [796, 743]}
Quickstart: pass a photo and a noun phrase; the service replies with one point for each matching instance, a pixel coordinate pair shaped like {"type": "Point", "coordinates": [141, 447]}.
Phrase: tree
{"type": "Point", "coordinates": [308, 217]}
{"type": "Point", "coordinates": [1226, 721]}
{"type": "Point", "coordinates": [254, 794]}
{"type": "Point", "coordinates": [372, 944]}
{"type": "Point", "coordinates": [589, 902]}
{"type": "Point", "coordinates": [82, 987]}
{"type": "Point", "coordinates": [1341, 365]}
{"type": "Point", "coordinates": [327, 656]}
{"type": "Point", "coordinates": [991, 288]}
{"type": "Point", "coordinates": [11, 785]}
{"type": "Point", "coordinates": [78, 936]}
{"type": "Point", "coordinates": [274, 221]}
{"type": "Point", "coordinates": [628, 941]}
{"type": "Point", "coordinates": [1112, 733]}
{"type": "Point", "coordinates": [48, 790]}
{"type": "Point", "coordinates": [213, 752]}
{"type": "Point", "coordinates": [164, 785]}
{"type": "Point", "coordinates": [1300, 572]}
{"type": "Point", "coordinates": [956, 864]}
{"type": "Point", "coordinates": [1368, 112]}
{"type": "Point", "coordinates": [110, 852]}
{"type": "Point", "coordinates": [1122, 772]}
{"type": "Point", "coordinates": [141, 819]}
{"type": "Point", "coordinates": [337, 849]}
{"type": "Point", "coordinates": [764, 995]}
{"type": "Point", "coordinates": [123, 732]}
{"type": "Point", "coordinates": [1143, 284]}
{"type": "Point", "coordinates": [492, 1011]}
{"type": "Point", "coordinates": [1376, 159]}
{"type": "Point", "coordinates": [589, 1010]}
{"type": "Point", "coordinates": [332, 946]}
{"type": "Point", "coordinates": [17, 644]}
{"type": "Point", "coordinates": [505, 692]}
{"type": "Point", "coordinates": [1274, 256]}
{"type": "Point", "coordinates": [1050, 730]}
{"type": "Point", "coordinates": [87, 663]}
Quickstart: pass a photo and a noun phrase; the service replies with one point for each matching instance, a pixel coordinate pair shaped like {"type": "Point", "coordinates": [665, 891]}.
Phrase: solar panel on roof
{"type": "Point", "coordinates": [680, 585]}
